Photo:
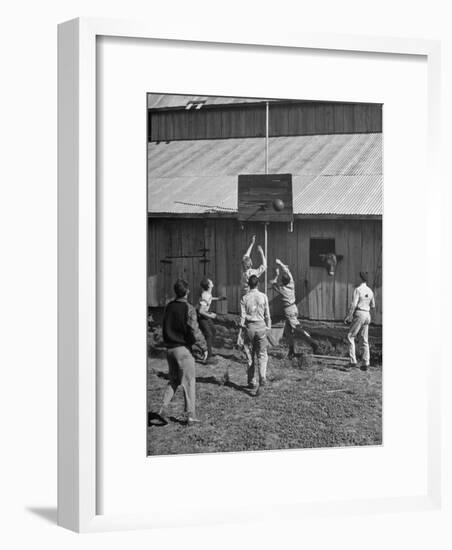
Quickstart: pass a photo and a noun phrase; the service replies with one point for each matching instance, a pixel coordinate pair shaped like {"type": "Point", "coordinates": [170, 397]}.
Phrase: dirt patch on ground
{"type": "Point", "coordinates": [316, 403]}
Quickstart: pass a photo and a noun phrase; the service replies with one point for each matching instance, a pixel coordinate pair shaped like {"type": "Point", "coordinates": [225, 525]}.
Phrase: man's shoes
{"type": "Point", "coordinates": [192, 421]}
{"type": "Point", "coordinates": [260, 388]}
{"type": "Point", "coordinates": [163, 415]}
{"type": "Point", "coordinates": [364, 367]}
{"type": "Point", "coordinates": [251, 385]}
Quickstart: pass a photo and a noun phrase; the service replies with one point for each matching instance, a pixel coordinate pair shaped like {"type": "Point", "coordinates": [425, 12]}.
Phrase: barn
{"type": "Point", "coordinates": [197, 148]}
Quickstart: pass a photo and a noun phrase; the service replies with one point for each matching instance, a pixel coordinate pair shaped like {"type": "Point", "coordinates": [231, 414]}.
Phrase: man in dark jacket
{"type": "Point", "coordinates": [180, 333]}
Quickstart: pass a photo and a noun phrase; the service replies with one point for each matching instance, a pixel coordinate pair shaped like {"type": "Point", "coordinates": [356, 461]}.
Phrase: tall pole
{"type": "Point", "coordinates": [266, 172]}
{"type": "Point", "coordinates": [266, 136]}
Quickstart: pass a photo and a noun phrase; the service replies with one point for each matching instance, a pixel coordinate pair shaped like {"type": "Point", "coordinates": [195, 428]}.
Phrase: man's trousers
{"type": "Point", "coordinates": [359, 327]}
{"type": "Point", "coordinates": [181, 373]}
{"type": "Point", "coordinates": [257, 339]}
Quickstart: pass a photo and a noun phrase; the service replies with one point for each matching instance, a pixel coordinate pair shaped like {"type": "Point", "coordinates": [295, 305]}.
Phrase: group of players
{"type": "Point", "coordinates": [186, 328]}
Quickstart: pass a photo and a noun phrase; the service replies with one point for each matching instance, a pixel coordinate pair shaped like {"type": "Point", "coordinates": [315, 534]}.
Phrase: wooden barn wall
{"type": "Point", "coordinates": [319, 296]}
{"type": "Point", "coordinates": [207, 123]}
{"type": "Point", "coordinates": [249, 121]}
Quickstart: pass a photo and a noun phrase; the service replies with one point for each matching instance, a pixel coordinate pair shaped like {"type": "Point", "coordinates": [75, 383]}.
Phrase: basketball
{"type": "Point", "coordinates": [278, 205]}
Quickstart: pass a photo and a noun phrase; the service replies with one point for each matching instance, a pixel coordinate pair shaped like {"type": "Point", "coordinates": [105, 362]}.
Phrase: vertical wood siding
{"type": "Point", "coordinates": [319, 296]}
{"type": "Point", "coordinates": [286, 119]}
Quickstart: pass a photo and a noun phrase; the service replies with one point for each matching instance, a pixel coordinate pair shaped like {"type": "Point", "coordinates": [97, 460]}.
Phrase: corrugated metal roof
{"type": "Point", "coordinates": [337, 174]}
{"type": "Point", "coordinates": [160, 101]}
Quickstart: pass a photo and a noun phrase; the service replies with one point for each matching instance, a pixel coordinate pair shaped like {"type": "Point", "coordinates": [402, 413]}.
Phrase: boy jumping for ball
{"type": "Point", "coordinates": [247, 266]}
{"type": "Point", "coordinates": [287, 291]}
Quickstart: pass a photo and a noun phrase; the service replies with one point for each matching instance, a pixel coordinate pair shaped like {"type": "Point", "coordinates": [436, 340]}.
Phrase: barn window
{"type": "Point", "coordinates": [320, 246]}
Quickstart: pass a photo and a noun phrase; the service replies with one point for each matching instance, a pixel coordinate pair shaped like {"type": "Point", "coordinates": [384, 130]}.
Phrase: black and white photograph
{"type": "Point", "coordinates": [210, 230]}
{"type": "Point", "coordinates": [264, 274]}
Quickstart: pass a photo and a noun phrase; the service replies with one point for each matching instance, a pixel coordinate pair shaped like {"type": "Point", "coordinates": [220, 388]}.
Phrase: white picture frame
{"type": "Point", "coordinates": [78, 446]}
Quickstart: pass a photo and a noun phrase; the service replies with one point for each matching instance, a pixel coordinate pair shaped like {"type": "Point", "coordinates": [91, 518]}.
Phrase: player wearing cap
{"type": "Point", "coordinates": [359, 317]}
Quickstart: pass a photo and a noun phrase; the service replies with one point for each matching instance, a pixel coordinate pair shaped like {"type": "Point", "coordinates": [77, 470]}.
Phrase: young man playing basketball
{"type": "Point", "coordinates": [286, 288]}
{"type": "Point", "coordinates": [206, 317]}
{"type": "Point", "coordinates": [247, 265]}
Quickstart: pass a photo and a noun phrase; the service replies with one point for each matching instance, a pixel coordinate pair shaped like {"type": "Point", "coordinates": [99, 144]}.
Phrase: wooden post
{"type": "Point", "coordinates": [265, 253]}
{"type": "Point", "coordinates": [266, 171]}
{"type": "Point", "coordinates": [266, 135]}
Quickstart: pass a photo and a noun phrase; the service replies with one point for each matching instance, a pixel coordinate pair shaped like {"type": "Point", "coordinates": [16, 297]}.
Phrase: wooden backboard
{"type": "Point", "coordinates": [256, 193]}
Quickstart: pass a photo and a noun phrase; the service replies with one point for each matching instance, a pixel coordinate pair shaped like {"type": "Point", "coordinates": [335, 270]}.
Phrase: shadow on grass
{"type": "Point", "coordinates": [155, 420]}
{"type": "Point", "coordinates": [230, 357]}
{"type": "Point", "coordinates": [209, 380]}
{"type": "Point", "coordinates": [225, 383]}
{"type": "Point", "coordinates": [237, 387]}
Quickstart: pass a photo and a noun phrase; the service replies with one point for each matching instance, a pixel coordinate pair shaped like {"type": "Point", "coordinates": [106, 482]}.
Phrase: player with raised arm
{"type": "Point", "coordinates": [286, 288]}
{"type": "Point", "coordinates": [247, 265]}
{"type": "Point", "coordinates": [247, 272]}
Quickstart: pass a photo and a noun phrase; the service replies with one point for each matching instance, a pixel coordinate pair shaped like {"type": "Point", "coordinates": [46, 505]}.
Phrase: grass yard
{"type": "Point", "coordinates": [303, 405]}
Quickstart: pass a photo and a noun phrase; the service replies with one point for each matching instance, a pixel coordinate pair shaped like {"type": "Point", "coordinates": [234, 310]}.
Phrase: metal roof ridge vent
{"type": "Point", "coordinates": [196, 104]}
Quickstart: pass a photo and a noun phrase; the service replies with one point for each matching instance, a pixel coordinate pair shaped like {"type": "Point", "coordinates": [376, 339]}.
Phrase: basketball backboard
{"type": "Point", "coordinates": [260, 196]}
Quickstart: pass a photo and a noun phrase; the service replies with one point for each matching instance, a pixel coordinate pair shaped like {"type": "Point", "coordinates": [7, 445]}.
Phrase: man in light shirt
{"type": "Point", "coordinates": [255, 320]}
{"type": "Point", "coordinates": [247, 265]}
{"type": "Point", "coordinates": [359, 317]}
{"type": "Point", "coordinates": [286, 289]}
{"type": "Point", "coordinates": [247, 271]}
{"type": "Point", "coordinates": [205, 316]}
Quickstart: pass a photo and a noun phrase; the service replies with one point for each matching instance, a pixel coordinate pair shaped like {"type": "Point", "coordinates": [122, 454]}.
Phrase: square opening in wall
{"type": "Point", "coordinates": [318, 247]}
